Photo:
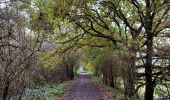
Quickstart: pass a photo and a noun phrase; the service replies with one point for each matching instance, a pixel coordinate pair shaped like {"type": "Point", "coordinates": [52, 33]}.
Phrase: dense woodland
{"type": "Point", "coordinates": [125, 42]}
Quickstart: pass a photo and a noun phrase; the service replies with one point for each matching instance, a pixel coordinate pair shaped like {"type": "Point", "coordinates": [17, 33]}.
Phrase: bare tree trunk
{"type": "Point", "coordinates": [71, 73]}
{"type": "Point", "coordinates": [111, 83]}
{"type": "Point", "coordinates": [149, 90]}
{"type": "Point", "coordinates": [105, 78]}
{"type": "Point", "coordinates": [5, 91]}
{"type": "Point", "coordinates": [130, 87]}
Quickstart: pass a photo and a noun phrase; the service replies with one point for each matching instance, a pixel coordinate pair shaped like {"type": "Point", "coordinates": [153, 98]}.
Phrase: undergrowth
{"type": "Point", "coordinates": [117, 92]}
{"type": "Point", "coordinates": [47, 92]}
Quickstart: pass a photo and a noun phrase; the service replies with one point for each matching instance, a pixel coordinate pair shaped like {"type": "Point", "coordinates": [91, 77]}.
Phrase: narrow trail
{"type": "Point", "coordinates": [83, 89]}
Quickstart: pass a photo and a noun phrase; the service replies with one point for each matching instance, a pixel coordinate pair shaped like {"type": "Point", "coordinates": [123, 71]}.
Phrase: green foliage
{"type": "Point", "coordinates": [22, 5]}
{"type": "Point", "coordinates": [161, 92]}
{"type": "Point", "coordinates": [97, 78]}
{"type": "Point", "coordinates": [119, 93]}
{"type": "Point", "coordinates": [97, 56]}
{"type": "Point", "coordinates": [54, 91]}
{"type": "Point", "coordinates": [99, 29]}
{"type": "Point", "coordinates": [49, 59]}
{"type": "Point", "coordinates": [47, 92]}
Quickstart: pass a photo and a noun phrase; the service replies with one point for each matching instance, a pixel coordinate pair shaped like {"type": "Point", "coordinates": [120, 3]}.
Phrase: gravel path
{"type": "Point", "coordinates": [83, 89]}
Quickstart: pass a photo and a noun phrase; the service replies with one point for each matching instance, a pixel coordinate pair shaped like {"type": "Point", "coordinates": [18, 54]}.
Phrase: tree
{"type": "Point", "coordinates": [18, 51]}
{"type": "Point", "coordinates": [147, 21]}
{"type": "Point", "coordinates": [149, 18]}
{"type": "Point", "coordinates": [132, 24]}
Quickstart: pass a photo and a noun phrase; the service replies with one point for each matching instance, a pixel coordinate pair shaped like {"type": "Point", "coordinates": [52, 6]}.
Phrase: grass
{"type": "Point", "coordinates": [118, 93]}
{"type": "Point", "coordinates": [161, 92]}
{"type": "Point", "coordinates": [54, 91]}
{"type": "Point", "coordinates": [115, 91]}
{"type": "Point", "coordinates": [47, 92]}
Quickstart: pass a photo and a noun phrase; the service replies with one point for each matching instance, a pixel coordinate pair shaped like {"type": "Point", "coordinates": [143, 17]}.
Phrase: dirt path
{"type": "Point", "coordinates": [83, 89]}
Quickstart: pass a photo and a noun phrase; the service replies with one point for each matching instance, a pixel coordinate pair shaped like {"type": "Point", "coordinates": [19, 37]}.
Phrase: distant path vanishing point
{"type": "Point", "coordinates": [83, 89]}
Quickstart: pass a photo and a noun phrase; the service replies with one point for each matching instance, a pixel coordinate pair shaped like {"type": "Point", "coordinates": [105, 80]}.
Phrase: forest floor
{"type": "Point", "coordinates": [85, 88]}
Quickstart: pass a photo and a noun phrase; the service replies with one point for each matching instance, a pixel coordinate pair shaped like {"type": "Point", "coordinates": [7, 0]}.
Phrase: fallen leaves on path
{"type": "Point", "coordinates": [106, 93]}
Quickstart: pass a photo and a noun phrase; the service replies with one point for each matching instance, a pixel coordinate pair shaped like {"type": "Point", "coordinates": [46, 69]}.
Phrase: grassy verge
{"type": "Point", "coordinates": [47, 92]}
{"type": "Point", "coordinates": [108, 93]}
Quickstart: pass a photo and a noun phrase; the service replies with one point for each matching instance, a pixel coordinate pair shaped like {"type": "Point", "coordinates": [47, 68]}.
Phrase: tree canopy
{"type": "Point", "coordinates": [122, 41]}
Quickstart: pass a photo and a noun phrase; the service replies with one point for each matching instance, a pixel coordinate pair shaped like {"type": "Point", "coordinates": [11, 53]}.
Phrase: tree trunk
{"type": "Point", "coordinates": [111, 81]}
{"type": "Point", "coordinates": [5, 91]}
{"type": "Point", "coordinates": [148, 69]}
{"type": "Point", "coordinates": [105, 78]}
{"type": "Point", "coordinates": [71, 73]}
{"type": "Point", "coordinates": [96, 71]}
{"type": "Point", "coordinates": [130, 88]}
{"type": "Point", "coordinates": [149, 90]}
{"type": "Point", "coordinates": [112, 84]}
